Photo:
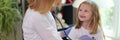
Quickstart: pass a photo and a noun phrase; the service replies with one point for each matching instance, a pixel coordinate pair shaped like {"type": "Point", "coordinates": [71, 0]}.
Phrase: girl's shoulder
{"type": "Point", "coordinates": [99, 33]}
{"type": "Point", "coordinates": [76, 30]}
{"type": "Point", "coordinates": [73, 29]}
{"type": "Point", "coordinates": [100, 30]}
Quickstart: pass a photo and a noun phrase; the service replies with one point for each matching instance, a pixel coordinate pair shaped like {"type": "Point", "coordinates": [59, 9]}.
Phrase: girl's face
{"type": "Point", "coordinates": [85, 12]}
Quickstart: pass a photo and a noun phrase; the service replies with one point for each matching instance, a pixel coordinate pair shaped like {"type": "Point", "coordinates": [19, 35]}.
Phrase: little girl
{"type": "Point", "coordinates": [88, 23]}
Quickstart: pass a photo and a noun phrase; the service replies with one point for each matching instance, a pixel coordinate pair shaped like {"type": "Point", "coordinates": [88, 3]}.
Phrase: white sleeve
{"type": "Point", "coordinates": [100, 35]}
{"type": "Point", "coordinates": [45, 29]}
{"type": "Point", "coordinates": [73, 34]}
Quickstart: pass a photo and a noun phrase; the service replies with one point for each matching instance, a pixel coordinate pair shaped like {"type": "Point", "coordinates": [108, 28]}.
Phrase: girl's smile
{"type": "Point", "coordinates": [82, 16]}
{"type": "Point", "coordinates": [85, 12]}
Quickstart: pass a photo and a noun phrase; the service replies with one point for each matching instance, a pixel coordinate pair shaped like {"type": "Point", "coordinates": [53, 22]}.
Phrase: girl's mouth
{"type": "Point", "coordinates": [82, 16]}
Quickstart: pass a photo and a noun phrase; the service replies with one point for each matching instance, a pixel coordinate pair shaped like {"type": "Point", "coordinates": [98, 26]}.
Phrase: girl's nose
{"type": "Point", "coordinates": [82, 12]}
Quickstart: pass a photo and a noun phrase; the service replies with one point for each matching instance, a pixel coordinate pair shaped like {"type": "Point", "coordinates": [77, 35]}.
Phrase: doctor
{"type": "Point", "coordinates": [38, 23]}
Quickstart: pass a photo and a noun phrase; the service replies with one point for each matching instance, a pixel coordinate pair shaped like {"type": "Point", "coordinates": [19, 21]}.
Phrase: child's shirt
{"type": "Point", "coordinates": [77, 33]}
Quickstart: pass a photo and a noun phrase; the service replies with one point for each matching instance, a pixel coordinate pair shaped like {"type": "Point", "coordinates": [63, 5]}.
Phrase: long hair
{"type": "Point", "coordinates": [95, 19]}
{"type": "Point", "coordinates": [43, 6]}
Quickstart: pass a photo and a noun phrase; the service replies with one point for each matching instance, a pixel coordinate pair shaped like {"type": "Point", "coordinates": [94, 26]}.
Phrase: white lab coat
{"type": "Point", "coordinates": [39, 27]}
{"type": "Point", "coordinates": [77, 33]}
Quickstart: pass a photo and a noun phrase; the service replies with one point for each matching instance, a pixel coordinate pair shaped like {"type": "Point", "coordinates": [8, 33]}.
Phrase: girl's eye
{"type": "Point", "coordinates": [85, 10]}
{"type": "Point", "coordinates": [80, 10]}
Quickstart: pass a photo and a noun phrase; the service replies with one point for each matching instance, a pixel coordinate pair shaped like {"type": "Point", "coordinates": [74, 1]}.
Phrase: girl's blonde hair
{"type": "Point", "coordinates": [95, 21]}
{"type": "Point", "coordinates": [43, 6]}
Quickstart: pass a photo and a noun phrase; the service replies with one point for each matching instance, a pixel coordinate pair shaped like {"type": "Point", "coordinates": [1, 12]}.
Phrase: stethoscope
{"type": "Point", "coordinates": [54, 15]}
